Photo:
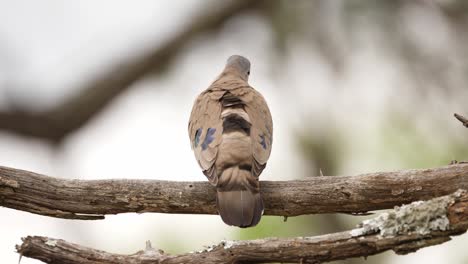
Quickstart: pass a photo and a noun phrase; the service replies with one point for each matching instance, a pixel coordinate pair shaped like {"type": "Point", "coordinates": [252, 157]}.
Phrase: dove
{"type": "Point", "coordinates": [231, 134]}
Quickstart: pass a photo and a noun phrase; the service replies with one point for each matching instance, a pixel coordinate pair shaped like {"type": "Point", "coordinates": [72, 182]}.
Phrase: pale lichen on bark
{"type": "Point", "coordinates": [51, 242]}
{"type": "Point", "coordinates": [421, 217]}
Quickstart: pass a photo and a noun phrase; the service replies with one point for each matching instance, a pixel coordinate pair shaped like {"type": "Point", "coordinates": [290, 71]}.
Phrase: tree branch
{"type": "Point", "coordinates": [92, 199]}
{"type": "Point", "coordinates": [56, 124]}
{"type": "Point", "coordinates": [462, 119]}
{"type": "Point", "coordinates": [403, 230]}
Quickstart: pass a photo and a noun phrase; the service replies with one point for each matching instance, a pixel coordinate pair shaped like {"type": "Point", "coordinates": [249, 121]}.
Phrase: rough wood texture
{"type": "Point", "coordinates": [92, 199]}
{"type": "Point", "coordinates": [57, 123]}
{"type": "Point", "coordinates": [353, 243]}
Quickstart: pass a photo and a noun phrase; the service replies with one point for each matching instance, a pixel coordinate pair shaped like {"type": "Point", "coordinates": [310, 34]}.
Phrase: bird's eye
{"type": "Point", "coordinates": [248, 73]}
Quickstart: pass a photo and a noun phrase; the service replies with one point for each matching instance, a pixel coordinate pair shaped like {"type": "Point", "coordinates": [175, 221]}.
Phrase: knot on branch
{"type": "Point", "coordinates": [9, 183]}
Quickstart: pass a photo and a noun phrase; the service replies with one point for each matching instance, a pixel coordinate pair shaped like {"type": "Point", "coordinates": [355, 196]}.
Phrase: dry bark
{"type": "Point", "coordinates": [57, 123]}
{"type": "Point", "coordinates": [92, 199]}
{"type": "Point", "coordinates": [359, 242]}
{"type": "Point", "coordinates": [462, 119]}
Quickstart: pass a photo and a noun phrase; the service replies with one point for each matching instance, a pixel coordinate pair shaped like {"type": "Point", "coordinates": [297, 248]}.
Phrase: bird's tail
{"type": "Point", "coordinates": [238, 198]}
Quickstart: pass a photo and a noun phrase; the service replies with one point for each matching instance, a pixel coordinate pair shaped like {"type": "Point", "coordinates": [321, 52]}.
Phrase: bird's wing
{"type": "Point", "coordinates": [205, 131]}
{"type": "Point", "coordinates": [261, 131]}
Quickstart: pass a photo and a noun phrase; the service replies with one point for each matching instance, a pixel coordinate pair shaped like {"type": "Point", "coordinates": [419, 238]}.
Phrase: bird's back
{"type": "Point", "coordinates": [231, 133]}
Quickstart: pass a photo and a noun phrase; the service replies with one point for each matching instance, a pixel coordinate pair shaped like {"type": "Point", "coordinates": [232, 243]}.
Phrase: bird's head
{"type": "Point", "coordinates": [239, 65]}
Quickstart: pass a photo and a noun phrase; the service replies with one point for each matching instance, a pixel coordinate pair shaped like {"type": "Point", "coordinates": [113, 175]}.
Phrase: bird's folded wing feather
{"type": "Point", "coordinates": [205, 131]}
{"type": "Point", "coordinates": [261, 132]}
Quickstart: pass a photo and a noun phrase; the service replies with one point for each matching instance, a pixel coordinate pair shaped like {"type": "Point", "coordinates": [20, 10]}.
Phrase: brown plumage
{"type": "Point", "coordinates": [231, 132]}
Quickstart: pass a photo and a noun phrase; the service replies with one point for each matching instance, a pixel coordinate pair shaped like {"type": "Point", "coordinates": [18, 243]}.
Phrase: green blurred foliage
{"type": "Point", "coordinates": [416, 147]}
{"type": "Point", "coordinates": [322, 147]}
{"type": "Point", "coordinates": [276, 226]}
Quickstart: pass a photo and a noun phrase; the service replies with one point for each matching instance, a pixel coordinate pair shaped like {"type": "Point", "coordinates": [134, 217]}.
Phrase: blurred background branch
{"type": "Point", "coordinates": [55, 124]}
{"type": "Point", "coordinates": [407, 230]}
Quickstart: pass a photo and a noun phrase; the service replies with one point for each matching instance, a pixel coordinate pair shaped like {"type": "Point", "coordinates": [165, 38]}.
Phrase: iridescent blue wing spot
{"type": "Point", "coordinates": [196, 140]}
{"type": "Point", "coordinates": [208, 138]}
{"type": "Point", "coordinates": [263, 142]}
